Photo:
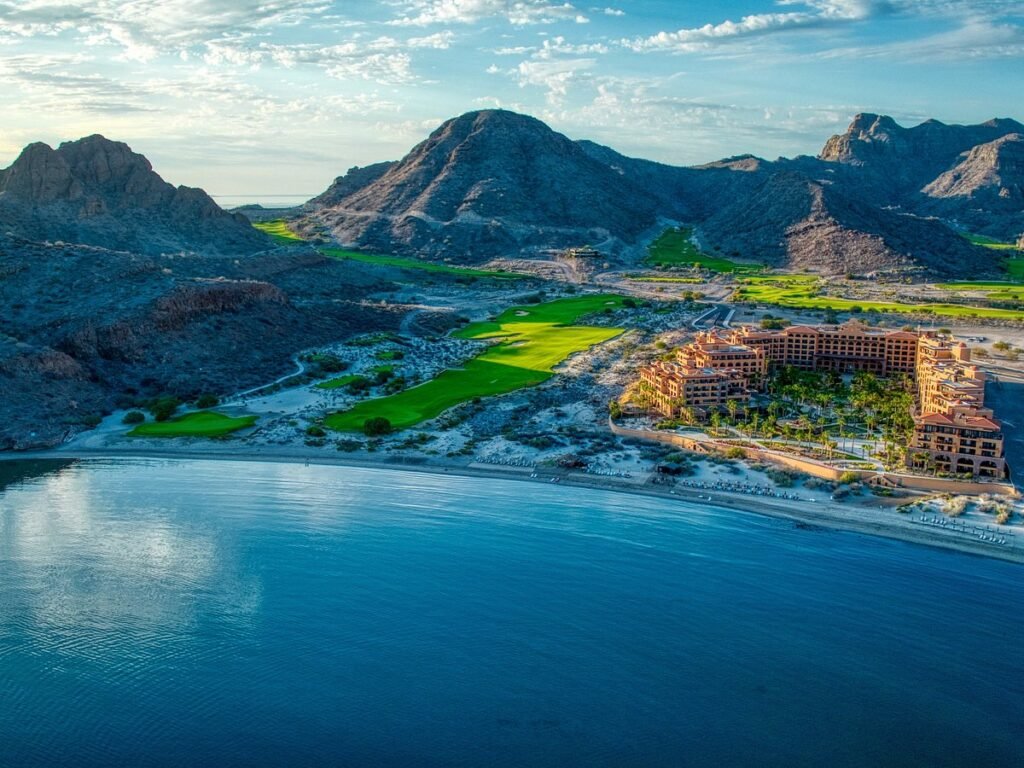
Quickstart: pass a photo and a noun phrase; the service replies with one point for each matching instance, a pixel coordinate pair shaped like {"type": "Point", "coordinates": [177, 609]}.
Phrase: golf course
{"type": "Point", "coordinates": [530, 341]}
{"type": "Point", "coordinates": [803, 292]}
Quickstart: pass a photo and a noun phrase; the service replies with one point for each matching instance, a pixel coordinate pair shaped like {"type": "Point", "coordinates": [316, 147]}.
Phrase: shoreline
{"type": "Point", "coordinates": [856, 518]}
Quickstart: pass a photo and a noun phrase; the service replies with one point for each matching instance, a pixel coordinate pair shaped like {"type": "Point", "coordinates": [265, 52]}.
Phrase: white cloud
{"type": "Point", "coordinates": [553, 75]}
{"type": "Point", "coordinates": [421, 13]}
{"type": "Point", "coordinates": [813, 14]}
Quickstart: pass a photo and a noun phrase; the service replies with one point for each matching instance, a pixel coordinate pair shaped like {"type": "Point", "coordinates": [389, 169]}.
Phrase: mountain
{"type": "Point", "coordinates": [907, 158]}
{"type": "Point", "coordinates": [117, 286]}
{"type": "Point", "coordinates": [99, 192]}
{"type": "Point", "coordinates": [984, 191]}
{"type": "Point", "coordinates": [355, 179]}
{"type": "Point", "coordinates": [486, 183]}
{"type": "Point", "coordinates": [793, 221]}
{"type": "Point", "coordinates": [877, 197]}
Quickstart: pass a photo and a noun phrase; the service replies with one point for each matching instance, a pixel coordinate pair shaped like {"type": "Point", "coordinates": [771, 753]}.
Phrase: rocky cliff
{"type": "Point", "coordinates": [98, 192]}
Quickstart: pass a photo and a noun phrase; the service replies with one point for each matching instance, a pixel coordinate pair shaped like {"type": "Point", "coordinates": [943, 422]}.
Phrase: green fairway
{"type": "Point", "coordinates": [424, 266]}
{"type": "Point", "coordinates": [995, 289]}
{"type": "Point", "coordinates": [989, 242]}
{"type": "Point", "coordinates": [1014, 263]}
{"type": "Point", "coordinates": [533, 340]}
{"type": "Point", "coordinates": [278, 230]}
{"type": "Point", "coordinates": [674, 248]}
{"type": "Point", "coordinates": [802, 292]}
{"type": "Point", "coordinates": [340, 381]}
{"type": "Point", "coordinates": [660, 279]}
{"type": "Point", "coordinates": [199, 424]}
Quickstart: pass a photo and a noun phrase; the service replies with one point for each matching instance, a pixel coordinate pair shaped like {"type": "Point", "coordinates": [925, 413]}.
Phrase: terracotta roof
{"type": "Point", "coordinates": [977, 422]}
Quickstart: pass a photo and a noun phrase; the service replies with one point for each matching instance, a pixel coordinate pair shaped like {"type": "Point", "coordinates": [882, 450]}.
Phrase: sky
{"type": "Point", "coordinates": [263, 97]}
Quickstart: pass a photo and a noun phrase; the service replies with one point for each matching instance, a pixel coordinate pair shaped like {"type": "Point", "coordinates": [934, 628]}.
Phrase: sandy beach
{"type": "Point", "coordinates": [865, 515]}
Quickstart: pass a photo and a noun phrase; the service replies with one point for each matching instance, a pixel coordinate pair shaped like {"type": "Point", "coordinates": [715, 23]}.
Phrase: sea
{"type": "Point", "coordinates": [237, 613]}
{"type": "Point", "coordinates": [266, 200]}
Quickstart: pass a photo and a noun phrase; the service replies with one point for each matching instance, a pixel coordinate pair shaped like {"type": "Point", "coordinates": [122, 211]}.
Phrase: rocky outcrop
{"type": "Point", "coordinates": [98, 192]}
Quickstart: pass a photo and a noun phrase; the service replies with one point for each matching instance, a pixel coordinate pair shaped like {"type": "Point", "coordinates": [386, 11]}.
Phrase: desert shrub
{"type": "Point", "coordinates": [735, 453]}
{"type": "Point", "coordinates": [848, 478]}
{"type": "Point", "coordinates": [133, 417]}
{"type": "Point", "coordinates": [206, 401]}
{"type": "Point", "coordinates": [376, 426]}
{"type": "Point", "coordinates": [164, 407]}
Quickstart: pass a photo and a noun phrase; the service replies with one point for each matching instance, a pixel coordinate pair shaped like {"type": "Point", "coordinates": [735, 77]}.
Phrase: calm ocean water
{"type": "Point", "coordinates": [176, 613]}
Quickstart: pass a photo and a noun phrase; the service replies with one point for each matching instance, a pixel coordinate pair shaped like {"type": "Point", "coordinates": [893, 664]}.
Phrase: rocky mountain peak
{"type": "Point", "coordinates": [96, 191]}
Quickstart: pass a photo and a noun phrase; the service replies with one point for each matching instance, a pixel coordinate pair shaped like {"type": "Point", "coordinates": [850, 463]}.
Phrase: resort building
{"type": "Point", "coordinates": [953, 430]}
{"type": "Point", "coordinates": [673, 387]}
{"type": "Point", "coordinates": [710, 351]}
{"type": "Point", "coordinates": [718, 366]}
{"type": "Point", "coordinates": [847, 348]}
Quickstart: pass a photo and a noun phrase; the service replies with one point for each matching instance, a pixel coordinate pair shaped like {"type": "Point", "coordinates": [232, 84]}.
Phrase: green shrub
{"type": "Point", "coordinates": [207, 401]}
{"type": "Point", "coordinates": [735, 453]}
{"type": "Point", "coordinates": [848, 478]}
{"type": "Point", "coordinates": [376, 426]}
{"type": "Point", "coordinates": [133, 417]}
{"type": "Point", "coordinates": [164, 407]}
{"type": "Point", "coordinates": [314, 431]}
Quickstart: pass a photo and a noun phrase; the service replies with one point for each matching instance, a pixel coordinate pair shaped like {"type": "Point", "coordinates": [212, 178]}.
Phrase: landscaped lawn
{"type": "Point", "coordinates": [278, 230]}
{"type": "Point", "coordinates": [801, 292]}
{"type": "Point", "coordinates": [533, 340]}
{"type": "Point", "coordinates": [199, 424]}
{"type": "Point", "coordinates": [675, 248]}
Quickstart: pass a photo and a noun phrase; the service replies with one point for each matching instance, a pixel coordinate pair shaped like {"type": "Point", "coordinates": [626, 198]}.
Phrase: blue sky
{"type": "Point", "coordinates": [279, 96]}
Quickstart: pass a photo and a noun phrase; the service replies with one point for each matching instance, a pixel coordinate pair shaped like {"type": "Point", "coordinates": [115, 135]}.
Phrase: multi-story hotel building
{"type": "Point", "coordinates": [852, 346]}
{"type": "Point", "coordinates": [953, 430]}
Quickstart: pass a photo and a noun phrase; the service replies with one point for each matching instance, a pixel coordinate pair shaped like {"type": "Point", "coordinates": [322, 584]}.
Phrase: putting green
{"type": "Point", "coordinates": [533, 340]}
{"type": "Point", "coordinates": [199, 424]}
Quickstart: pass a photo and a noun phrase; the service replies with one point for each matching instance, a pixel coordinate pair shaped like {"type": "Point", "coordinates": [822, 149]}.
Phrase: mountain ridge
{"type": "Point", "coordinates": [494, 182]}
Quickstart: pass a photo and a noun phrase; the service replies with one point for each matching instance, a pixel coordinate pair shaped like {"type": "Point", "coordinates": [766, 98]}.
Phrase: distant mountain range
{"type": "Point", "coordinates": [878, 197]}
